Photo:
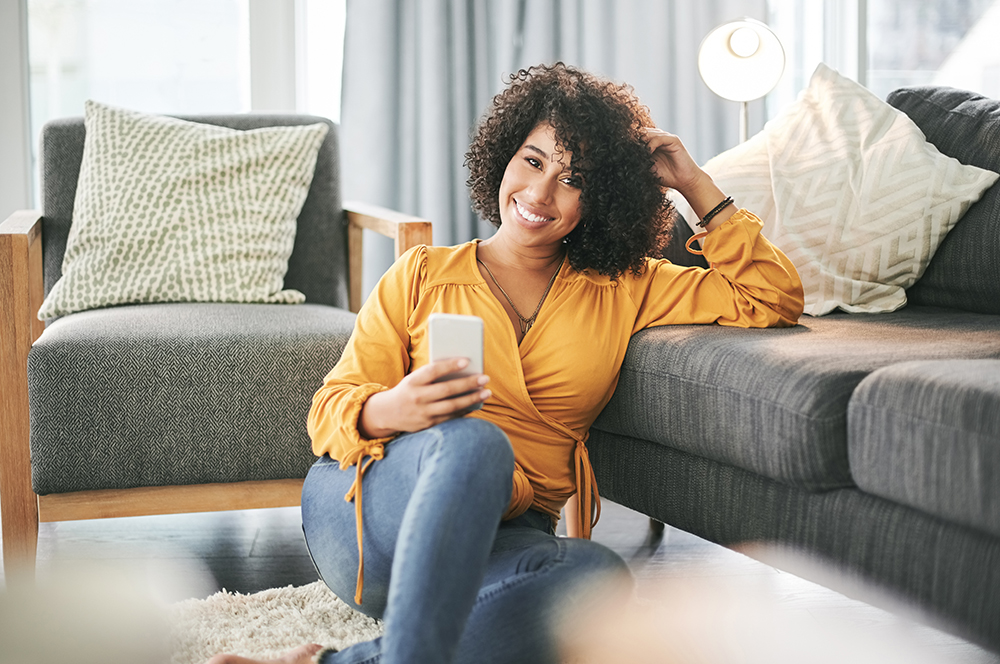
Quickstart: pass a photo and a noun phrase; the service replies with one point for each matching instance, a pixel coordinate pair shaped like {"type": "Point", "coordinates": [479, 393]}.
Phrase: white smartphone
{"type": "Point", "coordinates": [457, 335]}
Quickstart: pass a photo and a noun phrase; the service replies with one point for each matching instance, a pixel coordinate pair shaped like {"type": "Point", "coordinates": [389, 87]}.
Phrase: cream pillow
{"type": "Point", "coordinates": [174, 211]}
{"type": "Point", "coordinates": [851, 191]}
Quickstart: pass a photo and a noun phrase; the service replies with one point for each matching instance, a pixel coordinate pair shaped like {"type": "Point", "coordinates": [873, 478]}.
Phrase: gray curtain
{"type": "Point", "coordinates": [419, 73]}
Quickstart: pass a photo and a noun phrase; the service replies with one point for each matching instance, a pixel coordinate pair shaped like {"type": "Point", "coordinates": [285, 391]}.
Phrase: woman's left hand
{"type": "Point", "coordinates": [673, 164]}
{"type": "Point", "coordinates": [677, 169]}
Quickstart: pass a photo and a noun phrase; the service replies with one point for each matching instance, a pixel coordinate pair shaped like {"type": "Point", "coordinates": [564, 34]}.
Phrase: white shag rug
{"type": "Point", "coordinates": [265, 624]}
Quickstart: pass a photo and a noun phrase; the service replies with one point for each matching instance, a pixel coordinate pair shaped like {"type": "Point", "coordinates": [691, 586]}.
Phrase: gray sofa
{"type": "Point", "coordinates": [871, 442]}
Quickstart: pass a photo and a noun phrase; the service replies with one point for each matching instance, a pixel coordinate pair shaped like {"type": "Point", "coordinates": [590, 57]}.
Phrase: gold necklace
{"type": "Point", "coordinates": [525, 323]}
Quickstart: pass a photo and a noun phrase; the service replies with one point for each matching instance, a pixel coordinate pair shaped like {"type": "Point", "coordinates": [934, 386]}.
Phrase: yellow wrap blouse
{"type": "Point", "coordinates": [547, 391]}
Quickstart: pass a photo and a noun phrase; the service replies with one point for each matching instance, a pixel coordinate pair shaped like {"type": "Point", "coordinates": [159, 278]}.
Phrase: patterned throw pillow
{"type": "Point", "coordinates": [851, 191]}
{"type": "Point", "coordinates": [173, 211]}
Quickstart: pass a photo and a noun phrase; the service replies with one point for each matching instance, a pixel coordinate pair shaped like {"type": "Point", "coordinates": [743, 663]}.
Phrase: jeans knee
{"type": "Point", "coordinates": [591, 557]}
{"type": "Point", "coordinates": [482, 443]}
{"type": "Point", "coordinates": [473, 453]}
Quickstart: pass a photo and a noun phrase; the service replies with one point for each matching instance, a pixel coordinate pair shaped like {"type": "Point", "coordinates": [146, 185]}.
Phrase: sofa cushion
{"type": "Point", "coordinates": [851, 191]}
{"type": "Point", "coordinates": [151, 395]}
{"type": "Point", "coordinates": [318, 264]}
{"type": "Point", "coordinates": [774, 401]}
{"type": "Point", "coordinates": [965, 271]}
{"type": "Point", "coordinates": [927, 435]}
{"type": "Point", "coordinates": [173, 211]}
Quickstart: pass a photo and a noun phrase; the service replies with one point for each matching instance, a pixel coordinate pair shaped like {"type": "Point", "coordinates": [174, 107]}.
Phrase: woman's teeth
{"type": "Point", "coordinates": [530, 217]}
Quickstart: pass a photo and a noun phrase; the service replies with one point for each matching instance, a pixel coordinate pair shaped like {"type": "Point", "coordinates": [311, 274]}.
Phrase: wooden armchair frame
{"type": "Point", "coordinates": [21, 295]}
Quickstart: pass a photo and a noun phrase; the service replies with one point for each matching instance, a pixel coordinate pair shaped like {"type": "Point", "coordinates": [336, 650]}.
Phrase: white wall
{"type": "Point", "coordinates": [15, 146]}
{"type": "Point", "coordinates": [272, 56]}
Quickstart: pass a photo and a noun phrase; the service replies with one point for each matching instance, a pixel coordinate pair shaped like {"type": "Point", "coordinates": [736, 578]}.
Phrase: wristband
{"type": "Point", "coordinates": [716, 210]}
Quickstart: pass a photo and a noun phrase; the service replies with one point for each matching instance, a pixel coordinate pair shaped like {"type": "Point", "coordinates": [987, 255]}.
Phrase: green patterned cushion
{"type": "Point", "coordinates": [174, 211]}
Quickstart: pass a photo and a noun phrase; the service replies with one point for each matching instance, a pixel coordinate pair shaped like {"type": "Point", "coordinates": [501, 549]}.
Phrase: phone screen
{"type": "Point", "coordinates": [457, 335]}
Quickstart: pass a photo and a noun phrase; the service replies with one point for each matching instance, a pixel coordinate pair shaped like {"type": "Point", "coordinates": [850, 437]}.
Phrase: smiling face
{"type": "Point", "coordinates": [539, 195]}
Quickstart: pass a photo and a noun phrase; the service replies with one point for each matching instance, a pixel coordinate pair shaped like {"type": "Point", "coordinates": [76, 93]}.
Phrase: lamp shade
{"type": "Point", "coordinates": [741, 60]}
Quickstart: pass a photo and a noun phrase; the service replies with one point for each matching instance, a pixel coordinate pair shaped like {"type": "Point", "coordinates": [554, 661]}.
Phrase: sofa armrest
{"type": "Point", "coordinates": [406, 230]}
{"type": "Point", "coordinates": [21, 286]}
{"type": "Point", "coordinates": [21, 294]}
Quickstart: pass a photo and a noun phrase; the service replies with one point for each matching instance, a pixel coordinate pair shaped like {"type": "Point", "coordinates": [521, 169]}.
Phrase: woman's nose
{"type": "Point", "coordinates": [543, 187]}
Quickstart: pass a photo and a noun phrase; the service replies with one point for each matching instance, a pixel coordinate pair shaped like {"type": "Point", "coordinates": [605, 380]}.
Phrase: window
{"type": "Point", "coordinates": [933, 42]}
{"type": "Point", "coordinates": [183, 56]}
{"type": "Point", "coordinates": [886, 44]}
{"type": "Point", "coordinates": [320, 56]}
{"type": "Point", "coordinates": [162, 56]}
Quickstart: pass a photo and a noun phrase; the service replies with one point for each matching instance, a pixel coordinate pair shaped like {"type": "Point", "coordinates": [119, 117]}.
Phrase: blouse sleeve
{"type": "Point", "coordinates": [375, 359]}
{"type": "Point", "coordinates": [750, 283]}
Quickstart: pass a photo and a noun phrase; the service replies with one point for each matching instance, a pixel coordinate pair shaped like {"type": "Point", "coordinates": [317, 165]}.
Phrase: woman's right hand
{"type": "Point", "coordinates": [417, 402]}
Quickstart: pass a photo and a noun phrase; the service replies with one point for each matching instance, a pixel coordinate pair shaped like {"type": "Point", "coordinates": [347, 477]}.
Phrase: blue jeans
{"type": "Point", "coordinates": [452, 582]}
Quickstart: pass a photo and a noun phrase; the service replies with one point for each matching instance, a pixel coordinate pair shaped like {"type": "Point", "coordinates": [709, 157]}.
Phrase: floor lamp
{"type": "Point", "coordinates": [741, 61]}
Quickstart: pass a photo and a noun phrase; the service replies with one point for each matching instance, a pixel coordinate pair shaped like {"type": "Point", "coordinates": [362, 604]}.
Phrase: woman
{"type": "Point", "coordinates": [455, 514]}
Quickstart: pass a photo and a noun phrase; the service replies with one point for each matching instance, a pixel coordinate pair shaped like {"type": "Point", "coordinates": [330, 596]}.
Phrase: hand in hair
{"type": "Point", "coordinates": [676, 169]}
{"type": "Point", "coordinates": [673, 163]}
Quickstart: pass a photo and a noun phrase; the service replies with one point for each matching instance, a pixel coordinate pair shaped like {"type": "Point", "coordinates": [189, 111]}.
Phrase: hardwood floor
{"type": "Point", "coordinates": [196, 555]}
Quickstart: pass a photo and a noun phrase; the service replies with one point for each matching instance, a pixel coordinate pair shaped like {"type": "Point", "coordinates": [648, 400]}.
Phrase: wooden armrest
{"type": "Point", "coordinates": [21, 293]}
{"type": "Point", "coordinates": [21, 286]}
{"type": "Point", "coordinates": [408, 231]}
{"type": "Point", "coordinates": [22, 222]}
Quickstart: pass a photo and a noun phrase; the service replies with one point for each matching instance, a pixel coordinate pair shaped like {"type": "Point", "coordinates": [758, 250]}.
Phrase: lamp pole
{"type": "Point", "coordinates": [740, 61]}
{"type": "Point", "coordinates": [744, 121]}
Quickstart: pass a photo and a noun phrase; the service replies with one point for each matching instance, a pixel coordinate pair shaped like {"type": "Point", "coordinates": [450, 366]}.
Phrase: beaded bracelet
{"type": "Point", "coordinates": [716, 210]}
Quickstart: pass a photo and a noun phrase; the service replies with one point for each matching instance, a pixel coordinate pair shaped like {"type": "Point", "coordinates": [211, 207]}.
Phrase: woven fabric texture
{"type": "Point", "coordinates": [965, 272]}
{"type": "Point", "coordinates": [924, 434]}
{"type": "Point", "coordinates": [944, 568]}
{"type": "Point", "coordinates": [774, 401]}
{"type": "Point", "coordinates": [850, 190]}
{"type": "Point", "coordinates": [317, 243]}
{"type": "Point", "coordinates": [150, 395]}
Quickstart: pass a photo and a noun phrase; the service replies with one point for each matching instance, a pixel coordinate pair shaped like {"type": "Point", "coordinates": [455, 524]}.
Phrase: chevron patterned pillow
{"type": "Point", "coordinates": [173, 211]}
{"type": "Point", "coordinates": [851, 191]}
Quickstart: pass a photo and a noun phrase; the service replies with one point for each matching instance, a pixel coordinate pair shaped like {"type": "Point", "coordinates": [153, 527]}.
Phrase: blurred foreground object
{"type": "Point", "coordinates": [79, 615]}
{"type": "Point", "coordinates": [705, 619]}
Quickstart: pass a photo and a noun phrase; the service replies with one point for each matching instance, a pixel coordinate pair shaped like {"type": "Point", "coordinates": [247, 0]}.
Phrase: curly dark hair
{"type": "Point", "coordinates": [624, 214]}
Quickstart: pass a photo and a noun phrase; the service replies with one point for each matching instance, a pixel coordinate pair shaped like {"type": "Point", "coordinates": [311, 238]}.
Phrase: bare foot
{"type": "Point", "coordinates": [300, 655]}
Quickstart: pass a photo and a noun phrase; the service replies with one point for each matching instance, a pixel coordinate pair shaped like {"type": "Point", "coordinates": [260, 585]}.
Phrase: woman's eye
{"type": "Point", "coordinates": [572, 181]}
{"type": "Point", "coordinates": [534, 162]}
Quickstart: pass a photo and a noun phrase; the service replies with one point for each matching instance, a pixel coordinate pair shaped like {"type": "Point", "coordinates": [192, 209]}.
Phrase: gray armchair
{"type": "Point", "coordinates": [167, 408]}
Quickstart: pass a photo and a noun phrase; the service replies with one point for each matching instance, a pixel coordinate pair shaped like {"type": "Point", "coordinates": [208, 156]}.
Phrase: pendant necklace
{"type": "Point", "coordinates": [525, 323]}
